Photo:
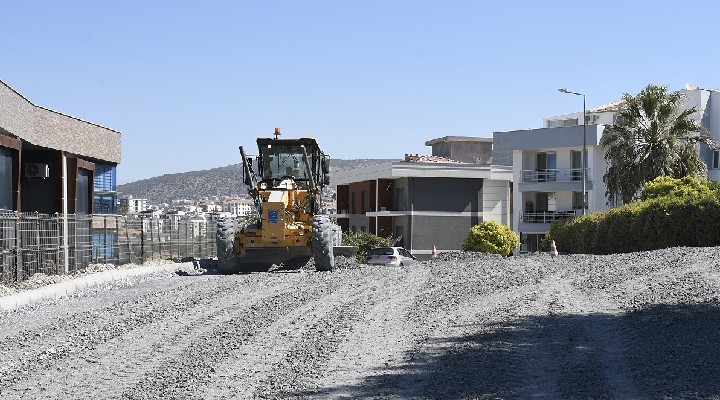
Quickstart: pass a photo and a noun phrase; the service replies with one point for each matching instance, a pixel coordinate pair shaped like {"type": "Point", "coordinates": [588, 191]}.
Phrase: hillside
{"type": "Point", "coordinates": [223, 181]}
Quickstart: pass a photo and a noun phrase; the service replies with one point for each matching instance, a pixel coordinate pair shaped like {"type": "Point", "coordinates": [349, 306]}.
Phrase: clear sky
{"type": "Point", "coordinates": [187, 82]}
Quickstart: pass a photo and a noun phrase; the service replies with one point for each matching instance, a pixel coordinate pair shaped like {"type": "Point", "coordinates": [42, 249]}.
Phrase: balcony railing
{"type": "Point", "coordinates": [554, 175]}
{"type": "Point", "coordinates": [546, 217]}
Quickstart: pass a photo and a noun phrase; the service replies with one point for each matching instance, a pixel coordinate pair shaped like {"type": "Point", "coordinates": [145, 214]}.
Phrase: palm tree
{"type": "Point", "coordinates": [652, 137]}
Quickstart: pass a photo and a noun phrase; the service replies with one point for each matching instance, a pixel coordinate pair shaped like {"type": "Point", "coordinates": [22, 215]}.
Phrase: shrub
{"type": "Point", "coordinates": [491, 237]}
{"type": "Point", "coordinates": [688, 186]}
{"type": "Point", "coordinates": [686, 215]}
{"type": "Point", "coordinates": [366, 241]}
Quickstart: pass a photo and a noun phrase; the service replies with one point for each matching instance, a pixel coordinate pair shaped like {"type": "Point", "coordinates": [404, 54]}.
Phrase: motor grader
{"type": "Point", "coordinates": [285, 181]}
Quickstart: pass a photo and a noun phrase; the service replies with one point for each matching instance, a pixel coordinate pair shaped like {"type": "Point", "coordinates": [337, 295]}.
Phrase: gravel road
{"type": "Point", "coordinates": [463, 325]}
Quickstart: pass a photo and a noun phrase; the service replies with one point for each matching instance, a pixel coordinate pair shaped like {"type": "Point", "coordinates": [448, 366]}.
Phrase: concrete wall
{"type": "Point", "coordinates": [547, 138]}
{"type": "Point", "coordinates": [446, 195]}
{"type": "Point", "coordinates": [461, 148]}
{"type": "Point", "coordinates": [496, 201]}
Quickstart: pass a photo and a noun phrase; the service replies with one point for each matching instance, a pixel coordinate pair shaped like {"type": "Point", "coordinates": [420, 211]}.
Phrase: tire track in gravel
{"type": "Point", "coordinates": [576, 345]}
{"type": "Point", "coordinates": [356, 361]}
{"type": "Point", "coordinates": [148, 348]}
{"type": "Point", "coordinates": [264, 366]}
{"type": "Point", "coordinates": [121, 343]}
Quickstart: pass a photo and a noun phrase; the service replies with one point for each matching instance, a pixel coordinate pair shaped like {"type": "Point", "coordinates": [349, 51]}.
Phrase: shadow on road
{"type": "Point", "coordinates": [661, 351]}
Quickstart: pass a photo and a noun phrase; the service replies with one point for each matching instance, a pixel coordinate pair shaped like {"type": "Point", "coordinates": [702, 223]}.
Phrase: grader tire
{"type": "Point", "coordinates": [322, 243]}
{"type": "Point", "coordinates": [225, 240]}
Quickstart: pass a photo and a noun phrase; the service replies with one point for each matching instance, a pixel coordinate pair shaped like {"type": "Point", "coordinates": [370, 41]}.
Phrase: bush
{"type": "Point", "coordinates": [491, 237]}
{"type": "Point", "coordinates": [664, 186]}
{"type": "Point", "coordinates": [677, 213]}
{"type": "Point", "coordinates": [366, 241]}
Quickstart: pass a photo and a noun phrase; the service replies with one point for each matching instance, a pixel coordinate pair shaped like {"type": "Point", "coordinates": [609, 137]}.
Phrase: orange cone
{"type": "Point", "coordinates": [434, 252]}
{"type": "Point", "coordinates": [553, 249]}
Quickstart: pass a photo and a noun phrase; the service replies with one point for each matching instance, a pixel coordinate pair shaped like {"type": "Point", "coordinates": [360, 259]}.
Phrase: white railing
{"type": "Point", "coordinates": [554, 175]}
{"type": "Point", "coordinates": [545, 217]}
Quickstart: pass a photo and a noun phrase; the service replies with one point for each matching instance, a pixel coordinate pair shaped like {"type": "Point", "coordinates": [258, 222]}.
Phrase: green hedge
{"type": "Point", "coordinates": [679, 217]}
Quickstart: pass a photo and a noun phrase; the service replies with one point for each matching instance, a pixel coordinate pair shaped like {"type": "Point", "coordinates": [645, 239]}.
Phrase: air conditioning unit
{"type": "Point", "coordinates": [37, 170]}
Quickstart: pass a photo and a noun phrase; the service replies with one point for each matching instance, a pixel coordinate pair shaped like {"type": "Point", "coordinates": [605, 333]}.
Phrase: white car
{"type": "Point", "coordinates": [389, 256]}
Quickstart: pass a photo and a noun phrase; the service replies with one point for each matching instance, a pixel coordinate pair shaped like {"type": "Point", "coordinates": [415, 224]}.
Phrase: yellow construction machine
{"type": "Point", "coordinates": [285, 181]}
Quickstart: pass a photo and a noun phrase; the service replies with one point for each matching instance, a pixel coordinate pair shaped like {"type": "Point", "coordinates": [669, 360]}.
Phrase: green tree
{"type": "Point", "coordinates": [491, 237]}
{"type": "Point", "coordinates": [688, 186]}
{"type": "Point", "coordinates": [366, 241]}
{"type": "Point", "coordinates": [653, 137]}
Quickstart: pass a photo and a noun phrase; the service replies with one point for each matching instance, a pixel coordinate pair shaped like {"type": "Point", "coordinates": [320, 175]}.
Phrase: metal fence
{"type": "Point", "coordinates": [56, 244]}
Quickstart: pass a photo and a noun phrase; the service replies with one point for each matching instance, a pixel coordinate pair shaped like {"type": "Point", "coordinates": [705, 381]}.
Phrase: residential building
{"type": "Point", "coordinates": [708, 105]}
{"type": "Point", "coordinates": [428, 201]}
{"type": "Point", "coordinates": [133, 205]}
{"type": "Point", "coordinates": [548, 171]}
{"type": "Point", "coordinates": [238, 206]}
{"type": "Point", "coordinates": [54, 163]}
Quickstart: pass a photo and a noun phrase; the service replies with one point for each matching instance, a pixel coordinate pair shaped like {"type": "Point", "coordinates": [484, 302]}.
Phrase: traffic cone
{"type": "Point", "coordinates": [434, 252]}
{"type": "Point", "coordinates": [553, 249]}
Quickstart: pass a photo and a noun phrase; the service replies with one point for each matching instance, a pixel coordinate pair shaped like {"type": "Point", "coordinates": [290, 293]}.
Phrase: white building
{"type": "Point", "coordinates": [238, 207]}
{"type": "Point", "coordinates": [133, 205]}
{"type": "Point", "coordinates": [547, 170]}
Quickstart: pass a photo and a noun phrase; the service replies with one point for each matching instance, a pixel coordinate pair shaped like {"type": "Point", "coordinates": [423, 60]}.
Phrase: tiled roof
{"type": "Point", "coordinates": [48, 128]}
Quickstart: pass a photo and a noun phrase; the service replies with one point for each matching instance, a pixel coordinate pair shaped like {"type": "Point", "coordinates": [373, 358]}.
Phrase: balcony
{"type": "Point", "coordinates": [555, 175]}
{"type": "Point", "coordinates": [545, 217]}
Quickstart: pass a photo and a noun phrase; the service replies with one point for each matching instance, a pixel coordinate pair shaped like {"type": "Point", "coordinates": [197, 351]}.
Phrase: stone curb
{"type": "Point", "coordinates": [60, 289]}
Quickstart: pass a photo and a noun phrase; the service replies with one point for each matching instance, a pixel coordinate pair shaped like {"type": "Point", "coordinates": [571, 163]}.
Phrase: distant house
{"type": "Point", "coordinates": [426, 200]}
{"type": "Point", "coordinates": [134, 205]}
{"type": "Point", "coordinates": [54, 163]}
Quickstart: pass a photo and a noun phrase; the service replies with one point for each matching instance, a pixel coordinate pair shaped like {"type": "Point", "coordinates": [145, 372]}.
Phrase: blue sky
{"type": "Point", "coordinates": [187, 82]}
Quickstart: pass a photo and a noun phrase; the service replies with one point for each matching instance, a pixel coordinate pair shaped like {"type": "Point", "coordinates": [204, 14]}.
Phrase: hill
{"type": "Point", "coordinates": [222, 181]}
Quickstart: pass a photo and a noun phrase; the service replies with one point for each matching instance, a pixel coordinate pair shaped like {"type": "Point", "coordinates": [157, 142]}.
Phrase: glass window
{"type": "Point", "coordinates": [6, 175]}
{"type": "Point", "coordinates": [83, 192]}
{"type": "Point", "coordinates": [716, 159]}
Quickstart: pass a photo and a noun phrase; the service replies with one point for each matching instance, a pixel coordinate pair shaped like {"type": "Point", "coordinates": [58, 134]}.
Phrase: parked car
{"type": "Point", "coordinates": [389, 256]}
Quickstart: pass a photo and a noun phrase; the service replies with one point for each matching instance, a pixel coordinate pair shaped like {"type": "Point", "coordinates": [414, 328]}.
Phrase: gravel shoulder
{"type": "Point", "coordinates": [463, 325]}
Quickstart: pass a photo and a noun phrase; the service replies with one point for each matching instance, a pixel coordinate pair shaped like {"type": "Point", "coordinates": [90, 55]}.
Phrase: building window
{"type": "Point", "coordinates": [6, 175]}
{"type": "Point", "coordinates": [577, 202]}
{"type": "Point", "coordinates": [83, 192]}
{"type": "Point", "coordinates": [716, 159]}
{"type": "Point", "coordinates": [105, 203]}
{"type": "Point", "coordinates": [570, 122]}
{"type": "Point", "coordinates": [575, 164]}
{"type": "Point", "coordinates": [554, 123]}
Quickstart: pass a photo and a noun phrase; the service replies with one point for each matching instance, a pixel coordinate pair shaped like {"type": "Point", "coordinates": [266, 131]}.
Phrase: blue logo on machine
{"type": "Point", "coordinates": [273, 216]}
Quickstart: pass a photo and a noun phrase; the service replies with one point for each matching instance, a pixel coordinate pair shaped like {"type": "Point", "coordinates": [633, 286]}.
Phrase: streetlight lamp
{"type": "Point", "coordinates": [582, 155]}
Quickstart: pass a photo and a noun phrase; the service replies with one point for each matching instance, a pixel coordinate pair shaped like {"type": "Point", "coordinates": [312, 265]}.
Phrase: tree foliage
{"type": "Point", "coordinates": [366, 241]}
{"type": "Point", "coordinates": [491, 237]}
{"type": "Point", "coordinates": [653, 137]}
{"type": "Point", "coordinates": [688, 186]}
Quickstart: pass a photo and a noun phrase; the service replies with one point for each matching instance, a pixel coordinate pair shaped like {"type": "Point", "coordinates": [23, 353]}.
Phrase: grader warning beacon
{"type": "Point", "coordinates": [285, 181]}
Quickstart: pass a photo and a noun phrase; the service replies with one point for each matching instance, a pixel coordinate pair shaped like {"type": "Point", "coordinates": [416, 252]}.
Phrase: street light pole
{"type": "Point", "coordinates": [582, 155]}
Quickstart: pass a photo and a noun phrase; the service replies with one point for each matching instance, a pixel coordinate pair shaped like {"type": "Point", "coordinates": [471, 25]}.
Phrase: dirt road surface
{"type": "Point", "coordinates": [643, 325]}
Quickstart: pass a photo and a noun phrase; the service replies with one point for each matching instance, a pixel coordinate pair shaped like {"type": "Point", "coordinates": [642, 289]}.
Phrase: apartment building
{"type": "Point", "coordinates": [238, 206]}
{"type": "Point", "coordinates": [548, 171]}
{"type": "Point", "coordinates": [426, 200]}
{"type": "Point", "coordinates": [134, 205]}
